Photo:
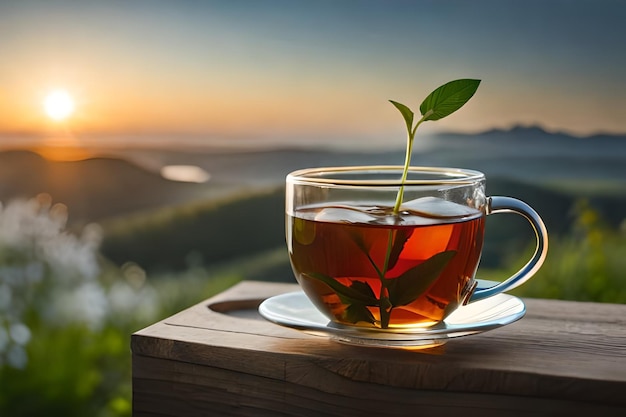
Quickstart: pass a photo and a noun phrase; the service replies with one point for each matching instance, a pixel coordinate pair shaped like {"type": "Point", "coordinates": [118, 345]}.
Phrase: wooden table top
{"type": "Point", "coordinates": [561, 350]}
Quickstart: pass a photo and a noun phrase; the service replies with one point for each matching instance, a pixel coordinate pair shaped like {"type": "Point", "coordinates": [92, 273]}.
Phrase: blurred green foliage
{"type": "Point", "coordinates": [586, 264]}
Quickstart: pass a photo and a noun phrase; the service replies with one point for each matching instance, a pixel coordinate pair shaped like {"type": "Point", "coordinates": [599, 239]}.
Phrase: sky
{"type": "Point", "coordinates": [308, 71]}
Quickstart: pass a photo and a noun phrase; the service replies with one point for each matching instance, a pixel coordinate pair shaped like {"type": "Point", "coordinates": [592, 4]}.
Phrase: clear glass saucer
{"type": "Point", "coordinates": [295, 310]}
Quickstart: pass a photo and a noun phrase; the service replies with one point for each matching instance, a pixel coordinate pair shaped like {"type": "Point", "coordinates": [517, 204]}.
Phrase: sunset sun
{"type": "Point", "coordinates": [58, 105]}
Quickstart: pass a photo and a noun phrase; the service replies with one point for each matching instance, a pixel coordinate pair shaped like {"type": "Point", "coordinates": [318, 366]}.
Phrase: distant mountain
{"type": "Point", "coordinates": [533, 132]}
{"type": "Point", "coordinates": [532, 154]}
{"type": "Point", "coordinates": [92, 189]}
{"type": "Point", "coordinates": [606, 136]}
{"type": "Point", "coordinates": [517, 131]}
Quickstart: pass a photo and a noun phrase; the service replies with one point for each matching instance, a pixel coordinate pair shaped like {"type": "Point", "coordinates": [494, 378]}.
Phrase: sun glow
{"type": "Point", "coordinates": [58, 105]}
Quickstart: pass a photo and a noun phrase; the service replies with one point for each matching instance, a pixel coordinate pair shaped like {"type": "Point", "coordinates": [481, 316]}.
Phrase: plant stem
{"type": "Point", "coordinates": [407, 164]}
{"type": "Point", "coordinates": [384, 304]}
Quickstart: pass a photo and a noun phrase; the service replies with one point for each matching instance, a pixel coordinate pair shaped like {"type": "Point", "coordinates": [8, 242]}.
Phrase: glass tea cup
{"type": "Point", "coordinates": [362, 263]}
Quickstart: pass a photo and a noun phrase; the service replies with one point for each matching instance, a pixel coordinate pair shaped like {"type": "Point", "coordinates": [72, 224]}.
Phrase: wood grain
{"type": "Point", "coordinates": [220, 357]}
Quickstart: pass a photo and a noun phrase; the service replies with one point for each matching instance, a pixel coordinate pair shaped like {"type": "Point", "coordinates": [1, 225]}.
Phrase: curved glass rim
{"type": "Point", "coordinates": [324, 175]}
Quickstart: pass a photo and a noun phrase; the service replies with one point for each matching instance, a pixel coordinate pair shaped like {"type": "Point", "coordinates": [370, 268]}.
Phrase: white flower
{"type": "Point", "coordinates": [16, 357]}
{"type": "Point", "coordinates": [20, 333]}
{"type": "Point", "coordinates": [127, 301]}
{"type": "Point", "coordinates": [86, 304]}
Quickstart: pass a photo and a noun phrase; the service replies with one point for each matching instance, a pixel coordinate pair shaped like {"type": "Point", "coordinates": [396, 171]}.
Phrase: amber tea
{"type": "Point", "coordinates": [367, 266]}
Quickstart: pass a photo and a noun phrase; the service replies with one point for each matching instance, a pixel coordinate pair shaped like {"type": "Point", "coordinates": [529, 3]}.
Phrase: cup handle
{"type": "Point", "coordinates": [512, 205]}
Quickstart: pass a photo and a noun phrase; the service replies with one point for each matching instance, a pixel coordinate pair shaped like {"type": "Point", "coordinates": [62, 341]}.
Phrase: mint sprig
{"type": "Point", "coordinates": [413, 283]}
{"type": "Point", "coordinates": [442, 102]}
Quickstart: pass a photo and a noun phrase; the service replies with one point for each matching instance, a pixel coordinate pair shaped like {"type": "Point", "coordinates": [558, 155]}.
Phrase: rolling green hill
{"type": "Point", "coordinates": [203, 233]}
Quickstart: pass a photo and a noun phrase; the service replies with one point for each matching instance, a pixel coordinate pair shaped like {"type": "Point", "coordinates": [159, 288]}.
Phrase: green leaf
{"type": "Point", "coordinates": [413, 283]}
{"type": "Point", "coordinates": [365, 248]}
{"type": "Point", "coordinates": [350, 295]}
{"type": "Point", "coordinates": [448, 98]}
{"type": "Point", "coordinates": [358, 296]}
{"type": "Point", "coordinates": [399, 239]}
{"type": "Point", "coordinates": [407, 114]}
{"type": "Point", "coordinates": [365, 289]}
{"type": "Point", "coordinates": [358, 312]}
{"type": "Point", "coordinates": [357, 238]}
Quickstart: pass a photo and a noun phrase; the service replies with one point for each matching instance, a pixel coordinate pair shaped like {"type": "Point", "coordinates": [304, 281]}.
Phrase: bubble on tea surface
{"type": "Point", "coordinates": [438, 208]}
{"type": "Point", "coordinates": [343, 215]}
{"type": "Point", "coordinates": [387, 219]}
